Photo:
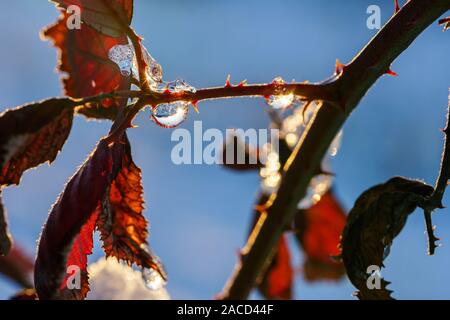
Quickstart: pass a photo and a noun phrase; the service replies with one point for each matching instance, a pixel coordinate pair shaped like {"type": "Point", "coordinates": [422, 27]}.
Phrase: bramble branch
{"type": "Point", "coordinates": [352, 84]}
{"type": "Point", "coordinates": [307, 91]}
{"type": "Point", "coordinates": [435, 200]}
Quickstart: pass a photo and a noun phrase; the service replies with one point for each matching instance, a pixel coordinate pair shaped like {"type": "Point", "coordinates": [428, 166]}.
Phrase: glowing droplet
{"type": "Point", "coordinates": [154, 71]}
{"type": "Point", "coordinates": [122, 55]}
{"type": "Point", "coordinates": [152, 279]}
{"type": "Point", "coordinates": [281, 99]}
{"type": "Point", "coordinates": [179, 85]}
{"type": "Point", "coordinates": [170, 115]}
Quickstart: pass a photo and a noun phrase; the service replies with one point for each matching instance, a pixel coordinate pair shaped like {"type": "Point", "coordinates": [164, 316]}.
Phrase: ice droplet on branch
{"type": "Point", "coordinates": [281, 99]}
{"type": "Point", "coordinates": [170, 115]}
{"type": "Point", "coordinates": [152, 279]}
{"type": "Point", "coordinates": [292, 128]}
{"type": "Point", "coordinates": [123, 56]}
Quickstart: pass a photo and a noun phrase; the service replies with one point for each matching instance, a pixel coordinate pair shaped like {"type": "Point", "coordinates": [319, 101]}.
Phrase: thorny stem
{"type": "Point", "coordinates": [307, 91]}
{"type": "Point", "coordinates": [435, 200]}
{"type": "Point", "coordinates": [355, 80]}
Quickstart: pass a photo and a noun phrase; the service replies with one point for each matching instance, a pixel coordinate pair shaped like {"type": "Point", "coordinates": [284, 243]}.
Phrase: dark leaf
{"type": "Point", "coordinates": [122, 226]}
{"type": "Point", "coordinates": [18, 267]}
{"type": "Point", "coordinates": [445, 23]}
{"type": "Point", "coordinates": [81, 248]}
{"type": "Point", "coordinates": [378, 216]}
{"type": "Point", "coordinates": [5, 236]}
{"type": "Point", "coordinates": [238, 155]}
{"type": "Point", "coordinates": [318, 230]}
{"type": "Point", "coordinates": [106, 16]}
{"type": "Point", "coordinates": [31, 135]}
{"type": "Point", "coordinates": [106, 191]}
{"type": "Point", "coordinates": [70, 213]}
{"type": "Point", "coordinates": [83, 58]}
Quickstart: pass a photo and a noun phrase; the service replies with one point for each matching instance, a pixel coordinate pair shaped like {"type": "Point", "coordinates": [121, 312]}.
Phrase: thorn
{"type": "Point", "coordinates": [339, 67]}
{"type": "Point", "coordinates": [397, 6]}
{"type": "Point", "coordinates": [194, 105]}
{"type": "Point", "coordinates": [261, 208]}
{"type": "Point", "coordinates": [228, 82]}
{"type": "Point", "coordinates": [132, 126]}
{"type": "Point", "coordinates": [242, 83]}
{"type": "Point", "coordinates": [392, 73]}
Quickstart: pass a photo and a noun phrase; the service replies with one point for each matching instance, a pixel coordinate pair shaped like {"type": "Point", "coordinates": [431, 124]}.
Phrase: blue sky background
{"type": "Point", "coordinates": [199, 214]}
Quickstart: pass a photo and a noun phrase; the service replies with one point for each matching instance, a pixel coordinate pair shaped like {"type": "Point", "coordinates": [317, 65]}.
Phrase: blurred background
{"type": "Point", "coordinates": [199, 214]}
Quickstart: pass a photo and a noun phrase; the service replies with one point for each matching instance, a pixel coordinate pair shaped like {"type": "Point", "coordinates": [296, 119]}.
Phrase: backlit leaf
{"type": "Point", "coordinates": [31, 135]}
{"type": "Point", "coordinates": [84, 61]}
{"type": "Point", "coordinates": [378, 216]}
{"type": "Point", "coordinates": [106, 16]}
{"type": "Point", "coordinates": [277, 280]}
{"type": "Point", "coordinates": [318, 230]}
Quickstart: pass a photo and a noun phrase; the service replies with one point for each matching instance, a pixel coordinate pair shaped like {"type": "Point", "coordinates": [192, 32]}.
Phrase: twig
{"type": "Point", "coordinates": [435, 200]}
{"type": "Point", "coordinates": [319, 91]}
{"type": "Point", "coordinates": [356, 78]}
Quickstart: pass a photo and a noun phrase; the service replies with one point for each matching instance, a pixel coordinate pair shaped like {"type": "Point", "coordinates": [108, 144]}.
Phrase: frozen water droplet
{"type": "Point", "coordinates": [170, 115]}
{"type": "Point", "coordinates": [152, 279]}
{"type": "Point", "coordinates": [179, 85]}
{"type": "Point", "coordinates": [122, 55]}
{"type": "Point", "coordinates": [318, 186]}
{"type": "Point", "coordinates": [281, 99]}
{"type": "Point", "coordinates": [335, 144]}
{"type": "Point", "coordinates": [154, 70]}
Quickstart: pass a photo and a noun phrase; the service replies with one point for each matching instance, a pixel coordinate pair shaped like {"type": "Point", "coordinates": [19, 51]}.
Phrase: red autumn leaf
{"type": "Point", "coordinates": [67, 236]}
{"type": "Point", "coordinates": [81, 248]}
{"type": "Point", "coordinates": [18, 266]}
{"type": "Point", "coordinates": [122, 225]}
{"type": "Point", "coordinates": [378, 216]}
{"type": "Point", "coordinates": [106, 16]}
{"type": "Point", "coordinates": [318, 230]}
{"type": "Point", "coordinates": [83, 57]}
{"type": "Point", "coordinates": [26, 294]}
{"type": "Point", "coordinates": [31, 135]}
{"type": "Point", "coordinates": [277, 281]}
{"type": "Point", "coordinates": [5, 236]}
{"type": "Point", "coordinates": [69, 214]}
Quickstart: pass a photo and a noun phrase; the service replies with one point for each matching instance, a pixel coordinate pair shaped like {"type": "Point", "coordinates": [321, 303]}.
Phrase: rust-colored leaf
{"type": "Point", "coordinates": [83, 58]}
{"type": "Point", "coordinates": [81, 248]}
{"type": "Point", "coordinates": [18, 266]}
{"type": "Point", "coordinates": [106, 192]}
{"type": "Point", "coordinates": [25, 294]}
{"type": "Point", "coordinates": [106, 16]}
{"type": "Point", "coordinates": [122, 225]}
{"type": "Point", "coordinates": [69, 214]}
{"type": "Point", "coordinates": [31, 135]}
{"type": "Point", "coordinates": [318, 230]}
{"type": "Point", "coordinates": [278, 280]}
{"type": "Point", "coordinates": [378, 216]}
